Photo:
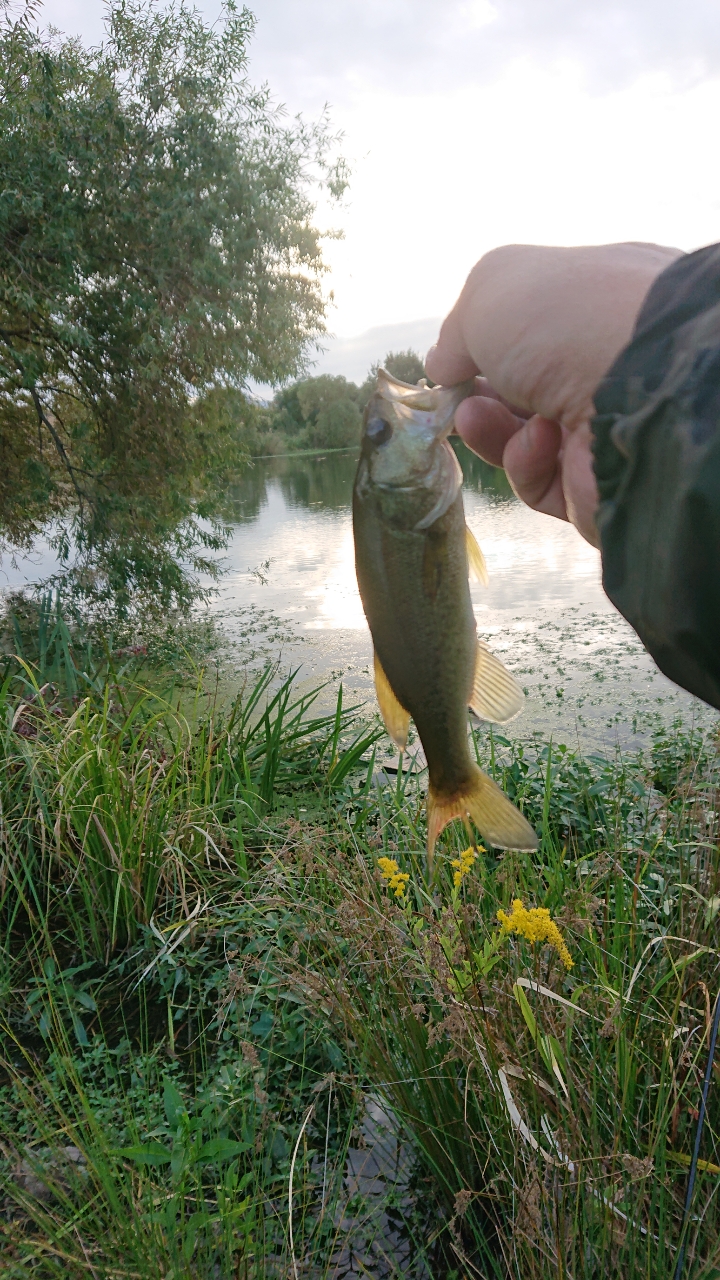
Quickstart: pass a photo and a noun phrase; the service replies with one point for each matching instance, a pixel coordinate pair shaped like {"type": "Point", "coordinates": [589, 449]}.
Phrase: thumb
{"type": "Point", "coordinates": [449, 361]}
{"type": "Point", "coordinates": [579, 483]}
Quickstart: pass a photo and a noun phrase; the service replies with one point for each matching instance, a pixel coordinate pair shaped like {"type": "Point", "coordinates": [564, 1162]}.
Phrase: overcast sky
{"type": "Point", "coordinates": [474, 123]}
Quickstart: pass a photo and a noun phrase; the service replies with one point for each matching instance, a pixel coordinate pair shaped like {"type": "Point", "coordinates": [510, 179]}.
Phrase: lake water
{"type": "Point", "coordinates": [289, 591]}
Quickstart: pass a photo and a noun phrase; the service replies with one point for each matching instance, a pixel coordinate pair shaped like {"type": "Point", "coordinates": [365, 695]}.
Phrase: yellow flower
{"type": "Point", "coordinates": [463, 864]}
{"type": "Point", "coordinates": [396, 879]}
{"type": "Point", "coordinates": [535, 925]}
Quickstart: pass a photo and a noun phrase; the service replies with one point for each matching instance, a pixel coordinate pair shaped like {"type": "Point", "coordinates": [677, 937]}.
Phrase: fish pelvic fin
{"type": "Point", "coordinates": [497, 820]}
{"type": "Point", "coordinates": [476, 561]}
{"type": "Point", "coordinates": [396, 718]}
{"type": "Point", "coordinates": [496, 695]}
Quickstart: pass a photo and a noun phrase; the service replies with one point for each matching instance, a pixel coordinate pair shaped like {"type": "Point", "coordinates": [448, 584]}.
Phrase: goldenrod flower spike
{"type": "Point", "coordinates": [396, 879]}
{"type": "Point", "coordinates": [536, 925]}
{"type": "Point", "coordinates": [463, 864]}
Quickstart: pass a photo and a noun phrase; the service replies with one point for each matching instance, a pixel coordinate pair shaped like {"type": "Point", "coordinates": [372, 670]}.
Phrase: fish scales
{"type": "Point", "coordinates": [411, 555]}
{"type": "Point", "coordinates": [414, 587]}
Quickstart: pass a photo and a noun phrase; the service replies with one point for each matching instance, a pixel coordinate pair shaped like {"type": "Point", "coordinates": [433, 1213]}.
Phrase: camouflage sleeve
{"type": "Point", "coordinates": [657, 462]}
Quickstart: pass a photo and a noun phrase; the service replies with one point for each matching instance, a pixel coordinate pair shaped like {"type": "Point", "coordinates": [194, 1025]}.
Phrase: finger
{"type": "Point", "coordinates": [532, 462]}
{"type": "Point", "coordinates": [449, 361]}
{"type": "Point", "coordinates": [486, 425]}
{"type": "Point", "coordinates": [579, 483]}
{"type": "Point", "coordinates": [483, 388]}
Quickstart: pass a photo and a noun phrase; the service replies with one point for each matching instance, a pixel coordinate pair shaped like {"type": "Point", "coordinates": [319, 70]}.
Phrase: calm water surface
{"type": "Point", "coordinates": [289, 591]}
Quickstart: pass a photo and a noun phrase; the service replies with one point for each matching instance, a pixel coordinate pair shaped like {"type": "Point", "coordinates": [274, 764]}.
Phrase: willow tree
{"type": "Point", "coordinates": [157, 251]}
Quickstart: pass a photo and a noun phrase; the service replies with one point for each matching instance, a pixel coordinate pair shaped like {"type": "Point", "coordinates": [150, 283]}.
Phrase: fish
{"type": "Point", "coordinates": [413, 556]}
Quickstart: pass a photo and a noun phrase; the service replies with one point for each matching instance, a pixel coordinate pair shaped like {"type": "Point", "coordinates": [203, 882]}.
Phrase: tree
{"type": "Point", "coordinates": [406, 365]}
{"type": "Point", "coordinates": [156, 247]}
{"type": "Point", "coordinates": [287, 415]}
{"type": "Point", "coordinates": [329, 407]}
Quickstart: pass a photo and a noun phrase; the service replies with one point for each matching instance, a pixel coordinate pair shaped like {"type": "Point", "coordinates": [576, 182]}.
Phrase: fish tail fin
{"type": "Point", "coordinates": [497, 820]}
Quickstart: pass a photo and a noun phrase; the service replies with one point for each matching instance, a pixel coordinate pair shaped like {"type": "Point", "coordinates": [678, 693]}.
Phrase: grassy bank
{"type": "Point", "coordinates": [222, 953]}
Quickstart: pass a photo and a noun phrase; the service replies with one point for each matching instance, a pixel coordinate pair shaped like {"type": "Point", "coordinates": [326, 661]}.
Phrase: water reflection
{"type": "Point", "coordinates": [544, 610]}
{"type": "Point", "coordinates": [479, 476]}
{"type": "Point", "coordinates": [290, 590]}
{"type": "Point", "coordinates": [326, 480]}
{"type": "Point", "coordinates": [316, 481]}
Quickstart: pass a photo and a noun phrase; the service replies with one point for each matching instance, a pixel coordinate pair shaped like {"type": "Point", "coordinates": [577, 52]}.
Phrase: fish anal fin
{"type": "Point", "coordinates": [496, 818]}
{"type": "Point", "coordinates": [396, 718]}
{"type": "Point", "coordinates": [496, 695]}
{"type": "Point", "coordinates": [477, 567]}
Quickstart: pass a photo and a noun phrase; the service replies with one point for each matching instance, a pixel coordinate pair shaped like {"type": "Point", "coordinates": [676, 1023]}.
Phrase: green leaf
{"type": "Point", "coordinates": [264, 1024]}
{"type": "Point", "coordinates": [526, 1011]}
{"type": "Point", "coordinates": [80, 1032]}
{"type": "Point", "coordinates": [546, 1045]}
{"type": "Point", "coordinates": [218, 1149]}
{"type": "Point", "coordinates": [173, 1103]}
{"type": "Point", "coordinates": [151, 1153]}
{"type": "Point", "coordinates": [238, 1210]}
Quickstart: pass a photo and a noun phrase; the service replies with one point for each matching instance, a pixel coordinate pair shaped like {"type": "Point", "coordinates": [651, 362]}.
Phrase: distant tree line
{"type": "Point", "coordinates": [323, 412]}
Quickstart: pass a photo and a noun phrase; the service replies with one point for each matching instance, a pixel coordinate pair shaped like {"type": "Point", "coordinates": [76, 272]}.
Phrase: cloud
{"type": "Point", "coordinates": [352, 357]}
{"type": "Point", "coordinates": [311, 50]}
{"type": "Point", "coordinates": [432, 45]}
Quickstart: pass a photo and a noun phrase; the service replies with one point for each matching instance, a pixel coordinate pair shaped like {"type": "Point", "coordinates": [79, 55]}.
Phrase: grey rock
{"type": "Point", "coordinates": [45, 1171]}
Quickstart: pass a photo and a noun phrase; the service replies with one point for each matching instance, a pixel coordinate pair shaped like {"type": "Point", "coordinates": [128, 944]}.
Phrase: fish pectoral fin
{"type": "Point", "coordinates": [496, 818]}
{"type": "Point", "coordinates": [496, 695]}
{"type": "Point", "coordinates": [396, 718]}
{"type": "Point", "coordinates": [477, 568]}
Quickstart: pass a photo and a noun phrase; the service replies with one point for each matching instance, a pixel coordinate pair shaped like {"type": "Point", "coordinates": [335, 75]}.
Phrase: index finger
{"type": "Point", "coordinates": [449, 361]}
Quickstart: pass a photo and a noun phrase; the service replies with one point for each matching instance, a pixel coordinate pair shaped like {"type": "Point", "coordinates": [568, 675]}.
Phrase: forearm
{"type": "Point", "coordinates": [657, 463]}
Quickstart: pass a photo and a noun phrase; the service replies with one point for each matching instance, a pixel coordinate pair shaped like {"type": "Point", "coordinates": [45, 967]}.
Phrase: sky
{"type": "Point", "coordinates": [473, 123]}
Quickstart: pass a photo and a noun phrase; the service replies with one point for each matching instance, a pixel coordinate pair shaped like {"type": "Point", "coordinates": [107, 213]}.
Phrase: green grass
{"type": "Point", "coordinates": [204, 979]}
{"type": "Point", "coordinates": [558, 1106]}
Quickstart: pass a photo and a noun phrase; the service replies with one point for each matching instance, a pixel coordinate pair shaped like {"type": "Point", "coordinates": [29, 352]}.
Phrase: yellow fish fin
{"type": "Point", "coordinates": [397, 719]}
{"type": "Point", "coordinates": [496, 695]}
{"type": "Point", "coordinates": [476, 561]}
{"type": "Point", "coordinates": [497, 820]}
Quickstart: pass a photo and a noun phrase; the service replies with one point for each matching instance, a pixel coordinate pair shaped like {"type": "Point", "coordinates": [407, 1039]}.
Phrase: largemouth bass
{"type": "Point", "coordinates": [413, 554]}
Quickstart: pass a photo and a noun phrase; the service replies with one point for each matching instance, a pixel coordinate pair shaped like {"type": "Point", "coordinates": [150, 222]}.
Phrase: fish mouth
{"type": "Point", "coordinates": [428, 412]}
{"type": "Point", "coordinates": [404, 444]}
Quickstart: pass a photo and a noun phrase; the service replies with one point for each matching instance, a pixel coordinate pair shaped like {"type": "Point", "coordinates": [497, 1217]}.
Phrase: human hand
{"type": "Point", "coordinates": [543, 325]}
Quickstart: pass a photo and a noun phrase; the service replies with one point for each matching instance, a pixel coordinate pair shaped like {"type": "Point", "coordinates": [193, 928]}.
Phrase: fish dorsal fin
{"type": "Point", "coordinates": [476, 560]}
{"type": "Point", "coordinates": [496, 695]}
{"type": "Point", "coordinates": [396, 718]}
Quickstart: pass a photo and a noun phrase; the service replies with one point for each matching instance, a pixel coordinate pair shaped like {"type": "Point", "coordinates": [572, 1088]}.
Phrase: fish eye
{"type": "Point", "coordinates": [378, 431]}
